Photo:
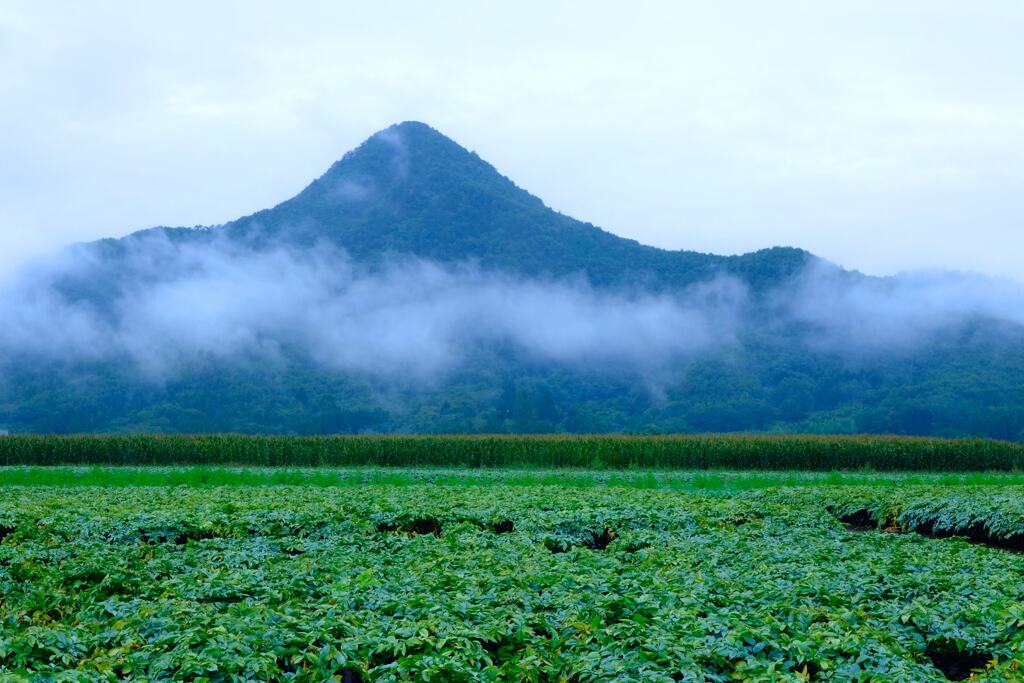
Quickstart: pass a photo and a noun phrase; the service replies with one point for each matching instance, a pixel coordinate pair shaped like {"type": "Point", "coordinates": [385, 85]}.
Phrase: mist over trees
{"type": "Point", "coordinates": [412, 288]}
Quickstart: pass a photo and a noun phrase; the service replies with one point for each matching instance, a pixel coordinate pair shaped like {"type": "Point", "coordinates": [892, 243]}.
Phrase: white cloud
{"type": "Point", "coordinates": [410, 321]}
{"type": "Point", "coordinates": [166, 305]}
{"type": "Point", "coordinates": [859, 316]}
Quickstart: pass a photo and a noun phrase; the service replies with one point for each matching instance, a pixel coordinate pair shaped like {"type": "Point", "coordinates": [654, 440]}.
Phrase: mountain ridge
{"type": "Point", "coordinates": [409, 189]}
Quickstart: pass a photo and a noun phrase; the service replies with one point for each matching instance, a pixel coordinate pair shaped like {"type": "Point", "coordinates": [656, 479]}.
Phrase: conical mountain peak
{"type": "Point", "coordinates": [409, 189]}
{"type": "Point", "coordinates": [412, 129]}
{"type": "Point", "coordinates": [390, 151]}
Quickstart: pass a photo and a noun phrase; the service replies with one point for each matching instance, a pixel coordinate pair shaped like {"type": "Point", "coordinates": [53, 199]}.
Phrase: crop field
{"type": "Point", "coordinates": [807, 453]}
{"type": "Point", "coordinates": [435, 575]}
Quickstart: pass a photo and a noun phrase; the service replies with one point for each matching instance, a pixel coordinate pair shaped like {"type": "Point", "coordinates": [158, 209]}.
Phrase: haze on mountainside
{"type": "Point", "coordinates": [414, 288]}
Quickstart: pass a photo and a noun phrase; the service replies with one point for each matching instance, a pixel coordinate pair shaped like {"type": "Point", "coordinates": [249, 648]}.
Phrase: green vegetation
{"type": "Point", "coordinates": [669, 480]}
{"type": "Point", "coordinates": [662, 452]}
{"type": "Point", "coordinates": [949, 389]}
{"type": "Point", "coordinates": [502, 583]}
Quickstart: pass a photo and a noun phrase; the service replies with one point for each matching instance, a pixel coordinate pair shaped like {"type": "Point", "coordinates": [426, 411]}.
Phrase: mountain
{"type": "Point", "coordinates": [653, 340]}
{"type": "Point", "coordinates": [409, 189]}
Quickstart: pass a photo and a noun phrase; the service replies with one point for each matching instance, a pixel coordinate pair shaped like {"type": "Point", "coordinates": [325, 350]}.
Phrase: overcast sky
{"type": "Point", "coordinates": [883, 135]}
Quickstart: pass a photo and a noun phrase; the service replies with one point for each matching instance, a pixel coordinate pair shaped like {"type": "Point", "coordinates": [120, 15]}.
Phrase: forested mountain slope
{"type": "Point", "coordinates": [414, 288]}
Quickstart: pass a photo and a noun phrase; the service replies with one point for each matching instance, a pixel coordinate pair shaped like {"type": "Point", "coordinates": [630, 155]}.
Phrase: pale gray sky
{"type": "Point", "coordinates": [883, 135]}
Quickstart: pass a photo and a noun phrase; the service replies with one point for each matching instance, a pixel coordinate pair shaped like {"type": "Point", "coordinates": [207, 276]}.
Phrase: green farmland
{"type": "Point", "coordinates": [390, 574]}
{"type": "Point", "coordinates": [808, 453]}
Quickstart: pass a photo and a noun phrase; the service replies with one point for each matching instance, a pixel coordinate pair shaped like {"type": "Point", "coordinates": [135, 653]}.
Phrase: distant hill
{"type": "Point", "coordinates": [409, 191]}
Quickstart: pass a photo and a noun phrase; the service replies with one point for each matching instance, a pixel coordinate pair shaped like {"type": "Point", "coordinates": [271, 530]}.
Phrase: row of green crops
{"type": "Point", "coordinates": [332, 477]}
{"type": "Point", "coordinates": [821, 453]}
{"type": "Point", "coordinates": [996, 517]}
{"type": "Point", "coordinates": [435, 583]}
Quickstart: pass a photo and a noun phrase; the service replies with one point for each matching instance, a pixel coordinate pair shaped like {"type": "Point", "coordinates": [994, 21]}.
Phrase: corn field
{"type": "Point", "coordinates": [821, 453]}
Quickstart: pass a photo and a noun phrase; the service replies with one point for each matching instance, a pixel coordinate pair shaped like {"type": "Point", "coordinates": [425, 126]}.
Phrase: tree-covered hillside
{"type": "Point", "coordinates": [758, 342]}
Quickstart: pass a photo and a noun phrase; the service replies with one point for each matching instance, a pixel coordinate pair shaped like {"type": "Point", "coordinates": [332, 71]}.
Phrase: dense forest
{"type": "Point", "coordinates": [936, 392]}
